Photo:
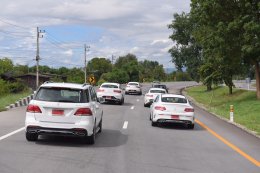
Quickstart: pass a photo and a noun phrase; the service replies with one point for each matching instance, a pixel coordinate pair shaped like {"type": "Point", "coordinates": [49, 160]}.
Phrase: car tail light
{"type": "Point", "coordinates": [83, 112]}
{"type": "Point", "coordinates": [149, 95]}
{"type": "Point", "coordinates": [33, 109]}
{"type": "Point", "coordinates": [117, 91]}
{"type": "Point", "coordinates": [100, 90]}
{"type": "Point", "coordinates": [189, 110]}
{"type": "Point", "coordinates": [161, 108]}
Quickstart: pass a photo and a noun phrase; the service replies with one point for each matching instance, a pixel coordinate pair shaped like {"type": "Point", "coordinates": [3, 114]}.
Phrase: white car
{"type": "Point", "coordinates": [152, 94]}
{"type": "Point", "coordinates": [64, 109]}
{"type": "Point", "coordinates": [111, 92]}
{"type": "Point", "coordinates": [173, 109]}
{"type": "Point", "coordinates": [133, 87]}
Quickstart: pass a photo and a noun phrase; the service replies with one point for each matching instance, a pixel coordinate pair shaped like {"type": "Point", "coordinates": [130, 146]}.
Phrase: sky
{"type": "Point", "coordinates": [107, 27]}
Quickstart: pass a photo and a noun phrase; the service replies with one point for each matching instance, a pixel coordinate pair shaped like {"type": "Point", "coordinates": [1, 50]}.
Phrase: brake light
{"type": "Point", "coordinates": [33, 109]}
{"type": "Point", "coordinates": [149, 95]}
{"type": "Point", "coordinates": [161, 108]}
{"type": "Point", "coordinates": [100, 90]}
{"type": "Point", "coordinates": [189, 110]}
{"type": "Point", "coordinates": [117, 91]}
{"type": "Point", "coordinates": [83, 112]}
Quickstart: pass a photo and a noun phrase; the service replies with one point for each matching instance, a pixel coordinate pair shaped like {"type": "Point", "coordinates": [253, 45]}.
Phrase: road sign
{"type": "Point", "coordinates": [92, 80]}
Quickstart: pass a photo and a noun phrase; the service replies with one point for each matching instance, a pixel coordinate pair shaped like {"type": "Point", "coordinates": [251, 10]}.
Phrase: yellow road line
{"type": "Point", "coordinates": [251, 159]}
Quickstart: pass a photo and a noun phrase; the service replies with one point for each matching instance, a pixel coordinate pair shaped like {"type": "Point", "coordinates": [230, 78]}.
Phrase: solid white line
{"type": "Point", "coordinates": [132, 107]}
{"type": "Point", "coordinates": [125, 125]}
{"type": "Point", "coordinates": [12, 133]}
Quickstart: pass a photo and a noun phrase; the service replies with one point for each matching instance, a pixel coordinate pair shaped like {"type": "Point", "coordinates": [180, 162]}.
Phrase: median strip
{"type": "Point", "coordinates": [12, 133]}
{"type": "Point", "coordinates": [238, 150]}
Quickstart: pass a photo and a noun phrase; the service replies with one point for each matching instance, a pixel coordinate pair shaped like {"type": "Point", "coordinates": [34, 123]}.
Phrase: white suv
{"type": "Point", "coordinates": [133, 87]}
{"type": "Point", "coordinates": [64, 109]}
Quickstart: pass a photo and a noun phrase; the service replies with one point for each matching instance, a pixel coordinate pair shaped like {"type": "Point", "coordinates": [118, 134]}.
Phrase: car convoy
{"type": "Point", "coordinates": [69, 109]}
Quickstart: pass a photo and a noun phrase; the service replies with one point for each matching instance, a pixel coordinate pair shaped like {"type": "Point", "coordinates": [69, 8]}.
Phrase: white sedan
{"type": "Point", "coordinates": [173, 109]}
{"type": "Point", "coordinates": [111, 92]}
{"type": "Point", "coordinates": [152, 94]}
{"type": "Point", "coordinates": [133, 87]}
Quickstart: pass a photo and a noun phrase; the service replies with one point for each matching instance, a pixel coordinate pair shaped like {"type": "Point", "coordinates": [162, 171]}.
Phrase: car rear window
{"type": "Point", "coordinates": [109, 86]}
{"type": "Point", "coordinates": [159, 86]}
{"type": "Point", "coordinates": [59, 95]}
{"type": "Point", "coordinates": [136, 84]}
{"type": "Point", "coordinates": [174, 100]}
{"type": "Point", "coordinates": [157, 91]}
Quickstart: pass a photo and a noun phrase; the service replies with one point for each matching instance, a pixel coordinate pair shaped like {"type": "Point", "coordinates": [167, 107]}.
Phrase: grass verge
{"type": "Point", "coordinates": [12, 98]}
{"type": "Point", "coordinates": [218, 101]}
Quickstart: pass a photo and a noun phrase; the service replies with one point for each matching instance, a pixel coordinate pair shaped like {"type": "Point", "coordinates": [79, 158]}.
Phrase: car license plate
{"type": "Point", "coordinates": [57, 112]}
{"type": "Point", "coordinates": [175, 117]}
{"type": "Point", "coordinates": [108, 97]}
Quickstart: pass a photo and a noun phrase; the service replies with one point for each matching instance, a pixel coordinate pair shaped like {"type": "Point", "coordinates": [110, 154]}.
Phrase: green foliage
{"type": "Point", "coordinates": [4, 88]}
{"type": "Point", "coordinates": [6, 65]}
{"type": "Point", "coordinates": [16, 87]}
{"type": "Point", "coordinates": [117, 75]}
{"type": "Point", "coordinates": [182, 76]}
{"type": "Point", "coordinates": [246, 109]}
{"type": "Point", "coordinates": [187, 52]}
{"type": "Point", "coordinates": [98, 66]}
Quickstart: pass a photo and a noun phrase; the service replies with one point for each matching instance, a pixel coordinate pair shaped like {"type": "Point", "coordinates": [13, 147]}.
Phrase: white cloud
{"type": "Point", "coordinates": [129, 26]}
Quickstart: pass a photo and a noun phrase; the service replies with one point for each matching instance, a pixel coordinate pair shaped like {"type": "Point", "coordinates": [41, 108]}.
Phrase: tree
{"type": "Point", "coordinates": [217, 31]}
{"type": "Point", "coordinates": [6, 65]}
{"type": "Point", "coordinates": [98, 66]}
{"type": "Point", "coordinates": [129, 64]}
{"type": "Point", "coordinates": [186, 52]}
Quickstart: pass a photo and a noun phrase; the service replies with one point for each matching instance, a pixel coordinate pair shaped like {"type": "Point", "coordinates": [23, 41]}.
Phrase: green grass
{"type": "Point", "coordinates": [12, 98]}
{"type": "Point", "coordinates": [218, 101]}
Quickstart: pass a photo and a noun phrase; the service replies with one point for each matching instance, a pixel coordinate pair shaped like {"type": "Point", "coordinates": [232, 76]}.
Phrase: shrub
{"type": "Point", "coordinates": [16, 87]}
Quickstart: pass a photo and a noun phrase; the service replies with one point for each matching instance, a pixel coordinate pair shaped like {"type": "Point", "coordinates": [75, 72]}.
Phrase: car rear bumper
{"type": "Point", "coordinates": [57, 131]}
{"type": "Point", "coordinates": [185, 119]}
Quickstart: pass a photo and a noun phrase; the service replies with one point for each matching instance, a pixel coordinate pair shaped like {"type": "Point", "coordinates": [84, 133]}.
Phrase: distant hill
{"type": "Point", "coordinates": [169, 70]}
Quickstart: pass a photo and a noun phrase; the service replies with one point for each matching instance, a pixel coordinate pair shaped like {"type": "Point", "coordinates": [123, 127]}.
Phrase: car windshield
{"type": "Point", "coordinates": [157, 91]}
{"type": "Point", "coordinates": [109, 86]}
{"type": "Point", "coordinates": [174, 100]}
{"type": "Point", "coordinates": [159, 86]}
{"type": "Point", "coordinates": [59, 95]}
{"type": "Point", "coordinates": [136, 84]}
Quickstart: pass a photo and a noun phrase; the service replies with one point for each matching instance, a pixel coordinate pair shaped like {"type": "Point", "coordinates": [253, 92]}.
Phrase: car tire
{"type": "Point", "coordinates": [100, 126]}
{"type": "Point", "coordinates": [190, 126]}
{"type": "Point", "coordinates": [31, 136]}
{"type": "Point", "coordinates": [153, 123]}
{"type": "Point", "coordinates": [91, 139]}
{"type": "Point", "coordinates": [126, 93]}
{"type": "Point", "coordinates": [122, 101]}
{"type": "Point", "coordinates": [140, 93]}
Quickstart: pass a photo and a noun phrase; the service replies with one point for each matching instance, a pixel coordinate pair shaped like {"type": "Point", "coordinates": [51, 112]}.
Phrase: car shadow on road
{"type": "Point", "coordinates": [108, 138]}
{"type": "Point", "coordinates": [177, 126]}
{"type": "Point", "coordinates": [111, 103]}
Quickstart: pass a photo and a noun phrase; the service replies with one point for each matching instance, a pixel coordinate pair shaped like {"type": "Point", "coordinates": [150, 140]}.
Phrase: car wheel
{"type": "Point", "coordinates": [91, 139]}
{"type": "Point", "coordinates": [126, 93]}
{"type": "Point", "coordinates": [145, 105]}
{"type": "Point", "coordinates": [31, 136]}
{"type": "Point", "coordinates": [154, 123]}
{"type": "Point", "coordinates": [190, 126]}
{"type": "Point", "coordinates": [122, 101]}
{"type": "Point", "coordinates": [100, 126]}
{"type": "Point", "coordinates": [150, 117]}
{"type": "Point", "coordinates": [140, 93]}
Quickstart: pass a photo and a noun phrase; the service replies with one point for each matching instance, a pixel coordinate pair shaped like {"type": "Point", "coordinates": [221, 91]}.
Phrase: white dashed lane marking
{"type": "Point", "coordinates": [125, 125]}
{"type": "Point", "coordinates": [137, 100]}
{"type": "Point", "coordinates": [12, 133]}
{"type": "Point", "coordinates": [132, 107]}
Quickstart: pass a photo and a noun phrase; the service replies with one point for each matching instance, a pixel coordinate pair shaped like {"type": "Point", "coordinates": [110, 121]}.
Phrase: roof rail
{"type": "Point", "coordinates": [85, 84]}
{"type": "Point", "coordinates": [48, 82]}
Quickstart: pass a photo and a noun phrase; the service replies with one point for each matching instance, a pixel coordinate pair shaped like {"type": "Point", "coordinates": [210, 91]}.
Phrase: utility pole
{"type": "Point", "coordinates": [86, 48]}
{"type": "Point", "coordinates": [113, 59]}
{"type": "Point", "coordinates": [38, 56]}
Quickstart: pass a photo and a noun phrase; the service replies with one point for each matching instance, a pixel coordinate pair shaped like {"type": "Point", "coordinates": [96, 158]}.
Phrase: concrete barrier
{"type": "Point", "coordinates": [22, 102]}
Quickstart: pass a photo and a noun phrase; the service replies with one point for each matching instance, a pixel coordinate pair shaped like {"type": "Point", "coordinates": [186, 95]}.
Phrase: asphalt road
{"type": "Point", "coordinates": [129, 144]}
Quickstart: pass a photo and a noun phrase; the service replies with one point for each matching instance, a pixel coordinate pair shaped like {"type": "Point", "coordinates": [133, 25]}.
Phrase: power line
{"type": "Point", "coordinates": [2, 20]}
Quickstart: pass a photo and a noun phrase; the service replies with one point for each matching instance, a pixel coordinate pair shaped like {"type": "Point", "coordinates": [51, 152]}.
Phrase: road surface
{"type": "Point", "coordinates": [129, 144]}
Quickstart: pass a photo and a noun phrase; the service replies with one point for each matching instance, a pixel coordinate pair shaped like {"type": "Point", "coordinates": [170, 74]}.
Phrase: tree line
{"type": "Point", "coordinates": [218, 40]}
{"type": "Point", "coordinates": [126, 68]}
